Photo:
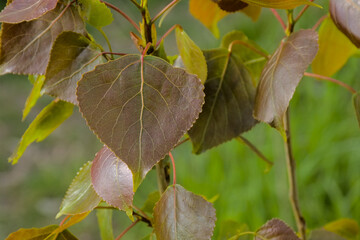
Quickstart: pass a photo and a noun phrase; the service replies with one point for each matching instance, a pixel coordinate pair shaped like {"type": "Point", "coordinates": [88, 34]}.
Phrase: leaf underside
{"type": "Point", "coordinates": [26, 46]}
{"type": "Point", "coordinates": [140, 110]}
{"type": "Point", "coordinates": [183, 215]}
{"type": "Point", "coordinates": [276, 229]}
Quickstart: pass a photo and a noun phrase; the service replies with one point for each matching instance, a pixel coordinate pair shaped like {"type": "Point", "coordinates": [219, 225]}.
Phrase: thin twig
{"type": "Point", "coordinates": [136, 4]}
{"type": "Point", "coordinates": [293, 194]}
{"type": "Point", "coordinates": [182, 142]}
{"type": "Point", "coordinates": [302, 12]}
{"type": "Point", "coordinates": [278, 17]}
{"type": "Point", "coordinates": [64, 220]}
{"type": "Point", "coordinates": [255, 150]}
{"type": "Point", "coordinates": [249, 46]}
{"type": "Point", "coordinates": [317, 24]}
{"type": "Point", "coordinates": [122, 13]}
{"type": "Point", "coordinates": [166, 34]}
{"type": "Point", "coordinates": [127, 229]}
{"type": "Point", "coordinates": [141, 212]}
{"type": "Point", "coordinates": [60, 15]}
{"type": "Point", "coordinates": [107, 40]}
{"type": "Point", "coordinates": [165, 9]}
{"type": "Point", "coordinates": [342, 84]}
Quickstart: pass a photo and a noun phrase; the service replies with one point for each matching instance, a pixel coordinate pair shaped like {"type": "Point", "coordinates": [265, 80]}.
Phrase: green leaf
{"type": "Point", "coordinates": [356, 101]}
{"type": "Point", "coordinates": [183, 215]}
{"type": "Point", "coordinates": [281, 76]}
{"type": "Point", "coordinates": [150, 202]}
{"type": "Point", "coordinates": [45, 123]}
{"type": "Point", "coordinates": [140, 108]}
{"type": "Point", "coordinates": [253, 61]}
{"type": "Point", "coordinates": [276, 229]}
{"type": "Point", "coordinates": [346, 228]}
{"type": "Point", "coordinates": [40, 234]}
{"type": "Point", "coordinates": [280, 4]}
{"type": "Point", "coordinates": [25, 47]}
{"type": "Point", "coordinates": [34, 95]}
{"type": "Point", "coordinates": [334, 49]}
{"type": "Point", "coordinates": [19, 10]}
{"type": "Point", "coordinates": [112, 180]}
{"type": "Point", "coordinates": [230, 228]}
{"type": "Point", "coordinates": [346, 16]}
{"type": "Point", "coordinates": [191, 55]}
{"type": "Point", "coordinates": [96, 13]}
{"type": "Point", "coordinates": [80, 197]}
{"type": "Point", "coordinates": [229, 102]}
{"type": "Point", "coordinates": [231, 5]}
{"type": "Point", "coordinates": [104, 217]}
{"type": "Point", "coordinates": [322, 234]}
{"type": "Point", "coordinates": [71, 222]}
{"type": "Point", "coordinates": [72, 55]}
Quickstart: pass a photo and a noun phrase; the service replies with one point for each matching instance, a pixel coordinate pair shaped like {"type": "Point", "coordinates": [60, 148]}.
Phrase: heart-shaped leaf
{"type": "Point", "coordinates": [346, 16]}
{"type": "Point", "coordinates": [40, 234]}
{"type": "Point", "coordinates": [276, 229]}
{"type": "Point", "coordinates": [80, 197]}
{"type": "Point", "coordinates": [51, 117]}
{"type": "Point", "coordinates": [25, 47]}
{"type": "Point", "coordinates": [180, 214]}
{"type": "Point", "coordinates": [25, 10]}
{"type": "Point", "coordinates": [229, 102]}
{"type": "Point", "coordinates": [96, 12]}
{"type": "Point", "coordinates": [140, 108]}
{"type": "Point", "coordinates": [282, 74]}
{"type": "Point", "coordinates": [280, 4]}
{"type": "Point", "coordinates": [68, 64]}
{"type": "Point", "coordinates": [334, 49]}
{"type": "Point", "coordinates": [231, 5]}
{"type": "Point", "coordinates": [112, 180]}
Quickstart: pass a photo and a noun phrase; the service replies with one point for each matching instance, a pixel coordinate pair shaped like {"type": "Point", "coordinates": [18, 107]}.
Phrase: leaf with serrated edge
{"type": "Point", "coordinates": [72, 55]}
{"type": "Point", "coordinates": [25, 47]}
{"type": "Point", "coordinates": [183, 215]}
{"type": "Point", "coordinates": [112, 180]}
{"type": "Point", "coordinates": [276, 229]}
{"type": "Point", "coordinates": [52, 116]}
{"type": "Point", "coordinates": [96, 12]}
{"type": "Point", "coordinates": [282, 74]}
{"type": "Point", "coordinates": [25, 10]}
{"type": "Point", "coordinates": [40, 233]}
{"type": "Point", "coordinates": [347, 228]}
{"type": "Point", "coordinates": [140, 109]}
{"type": "Point", "coordinates": [322, 234]}
{"type": "Point", "coordinates": [280, 4]}
{"type": "Point", "coordinates": [104, 217]}
{"type": "Point", "coordinates": [191, 55]}
{"type": "Point", "coordinates": [229, 102]}
{"type": "Point", "coordinates": [34, 95]}
{"type": "Point", "coordinates": [80, 197]}
{"type": "Point", "coordinates": [346, 16]}
{"type": "Point", "coordinates": [334, 50]}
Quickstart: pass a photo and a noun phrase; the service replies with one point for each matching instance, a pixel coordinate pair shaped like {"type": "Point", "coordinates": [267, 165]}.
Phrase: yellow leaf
{"type": "Point", "coordinates": [252, 12]}
{"type": "Point", "coordinates": [280, 4]}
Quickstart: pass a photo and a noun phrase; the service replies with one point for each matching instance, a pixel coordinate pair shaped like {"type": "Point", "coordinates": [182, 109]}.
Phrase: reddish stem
{"type": "Point", "coordinates": [127, 229]}
{"type": "Point", "coordinates": [166, 34]}
{"type": "Point", "coordinates": [302, 12]}
{"type": "Point", "coordinates": [278, 17]}
{"type": "Point", "coordinates": [320, 77]}
{"type": "Point", "coordinates": [174, 168]}
{"type": "Point", "coordinates": [317, 24]}
{"type": "Point", "coordinates": [64, 220]}
{"type": "Point", "coordinates": [170, 5]}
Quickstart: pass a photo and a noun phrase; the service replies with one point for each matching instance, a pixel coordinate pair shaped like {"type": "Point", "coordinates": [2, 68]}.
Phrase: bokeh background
{"type": "Point", "coordinates": [326, 141]}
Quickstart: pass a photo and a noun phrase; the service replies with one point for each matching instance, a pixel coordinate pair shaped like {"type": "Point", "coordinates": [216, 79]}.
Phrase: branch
{"type": "Point", "coordinates": [127, 229]}
{"type": "Point", "coordinates": [255, 150]}
{"type": "Point", "coordinates": [169, 6]}
{"type": "Point", "coordinates": [342, 84]}
{"type": "Point", "coordinates": [302, 12]}
{"type": "Point", "coordinates": [317, 24]}
{"type": "Point", "coordinates": [166, 34]}
{"type": "Point", "coordinates": [249, 46]}
{"type": "Point", "coordinates": [137, 5]}
{"type": "Point", "coordinates": [281, 21]}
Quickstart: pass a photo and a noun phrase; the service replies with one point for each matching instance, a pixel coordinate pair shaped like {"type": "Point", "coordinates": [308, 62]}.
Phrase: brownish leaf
{"type": "Point", "coordinates": [26, 10]}
{"type": "Point", "coordinates": [140, 109]}
{"type": "Point", "coordinates": [231, 5]}
{"type": "Point", "coordinates": [112, 180]}
{"type": "Point", "coordinates": [346, 16]}
{"type": "Point", "coordinates": [282, 74]}
{"type": "Point", "coordinates": [25, 47]}
{"type": "Point", "coordinates": [183, 215]}
{"type": "Point", "coordinates": [276, 229]}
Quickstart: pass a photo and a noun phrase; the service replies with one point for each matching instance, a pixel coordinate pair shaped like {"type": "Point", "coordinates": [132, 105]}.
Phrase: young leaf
{"type": "Point", "coordinates": [96, 13]}
{"type": "Point", "coordinates": [45, 123]}
{"type": "Point", "coordinates": [229, 102]}
{"type": "Point", "coordinates": [34, 95]}
{"type": "Point", "coordinates": [25, 47]}
{"type": "Point", "coordinates": [183, 215]}
{"type": "Point", "coordinates": [334, 49]}
{"type": "Point", "coordinates": [322, 234]}
{"type": "Point", "coordinates": [280, 4]}
{"type": "Point", "coordinates": [282, 74]}
{"type": "Point", "coordinates": [356, 100]}
{"type": "Point", "coordinates": [112, 180]}
{"type": "Point", "coordinates": [104, 217]}
{"type": "Point", "coordinates": [26, 10]}
{"type": "Point", "coordinates": [346, 228]}
{"type": "Point", "coordinates": [253, 61]}
{"type": "Point", "coordinates": [80, 197]}
{"type": "Point", "coordinates": [140, 109]}
{"type": "Point", "coordinates": [276, 229]}
{"type": "Point", "coordinates": [68, 64]}
{"type": "Point", "coordinates": [346, 16]}
{"type": "Point", "coordinates": [40, 234]}
{"type": "Point", "coordinates": [191, 55]}
{"type": "Point", "coordinates": [231, 5]}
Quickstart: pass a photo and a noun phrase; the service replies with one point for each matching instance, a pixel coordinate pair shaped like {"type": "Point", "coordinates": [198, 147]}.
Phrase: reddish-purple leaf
{"type": "Point", "coordinates": [346, 16]}
{"type": "Point", "coordinates": [26, 46]}
{"type": "Point", "coordinates": [140, 110]}
{"type": "Point", "coordinates": [282, 74]}
{"type": "Point", "coordinates": [26, 10]}
{"type": "Point", "coordinates": [276, 229]}
{"type": "Point", "coordinates": [183, 215]}
{"type": "Point", "coordinates": [112, 180]}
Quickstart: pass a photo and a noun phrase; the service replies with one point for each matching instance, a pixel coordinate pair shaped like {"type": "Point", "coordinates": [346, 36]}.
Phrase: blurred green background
{"type": "Point", "coordinates": [326, 141]}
